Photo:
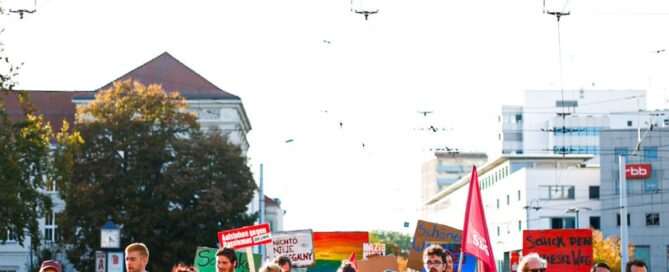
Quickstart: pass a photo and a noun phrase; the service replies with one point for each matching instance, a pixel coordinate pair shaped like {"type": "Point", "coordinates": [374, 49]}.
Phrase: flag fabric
{"type": "Point", "coordinates": [353, 262]}
{"type": "Point", "coordinates": [476, 240]}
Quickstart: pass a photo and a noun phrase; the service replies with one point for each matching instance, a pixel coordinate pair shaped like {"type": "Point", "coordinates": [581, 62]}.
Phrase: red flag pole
{"type": "Point", "coordinates": [462, 256]}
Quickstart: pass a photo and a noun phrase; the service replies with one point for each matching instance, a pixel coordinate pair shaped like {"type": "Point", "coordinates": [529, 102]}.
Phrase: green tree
{"type": "Point", "coordinates": [145, 163]}
{"type": "Point", "coordinates": [397, 243]}
{"type": "Point", "coordinates": [24, 164]}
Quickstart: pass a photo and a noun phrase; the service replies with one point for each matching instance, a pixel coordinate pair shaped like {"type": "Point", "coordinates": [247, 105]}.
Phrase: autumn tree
{"type": "Point", "coordinates": [24, 163]}
{"type": "Point", "coordinates": [608, 250]}
{"type": "Point", "coordinates": [146, 164]}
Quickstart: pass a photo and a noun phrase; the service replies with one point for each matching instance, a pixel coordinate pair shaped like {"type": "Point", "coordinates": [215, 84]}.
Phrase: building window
{"type": "Point", "coordinates": [51, 185]}
{"type": "Point", "coordinates": [652, 219]}
{"type": "Point", "coordinates": [650, 153]}
{"type": "Point", "coordinates": [629, 123]}
{"type": "Point", "coordinates": [50, 227]}
{"type": "Point", "coordinates": [562, 223]}
{"type": "Point", "coordinates": [518, 195]}
{"type": "Point", "coordinates": [498, 203]}
{"type": "Point", "coordinates": [595, 222]}
{"type": "Point", "coordinates": [556, 192]}
{"type": "Point", "coordinates": [7, 236]}
{"type": "Point", "coordinates": [520, 225]}
{"type": "Point", "coordinates": [618, 219]}
{"type": "Point", "coordinates": [508, 200]}
{"type": "Point", "coordinates": [498, 232]}
{"type": "Point", "coordinates": [650, 185]}
{"type": "Point", "coordinates": [594, 192]}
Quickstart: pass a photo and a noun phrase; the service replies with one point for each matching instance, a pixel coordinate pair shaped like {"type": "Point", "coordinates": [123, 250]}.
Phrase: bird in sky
{"type": "Point", "coordinates": [425, 113]}
{"type": "Point", "coordinates": [289, 141]}
{"type": "Point", "coordinates": [326, 41]}
{"type": "Point", "coordinates": [659, 51]}
{"type": "Point", "coordinates": [366, 12]}
{"type": "Point", "coordinates": [341, 125]}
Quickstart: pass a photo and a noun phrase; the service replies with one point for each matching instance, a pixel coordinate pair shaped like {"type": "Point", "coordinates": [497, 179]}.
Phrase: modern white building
{"type": "Point", "coordinates": [445, 169]}
{"type": "Point", "coordinates": [521, 192]}
{"type": "Point", "coordinates": [213, 107]}
{"type": "Point", "coordinates": [647, 210]}
{"type": "Point", "coordinates": [564, 122]}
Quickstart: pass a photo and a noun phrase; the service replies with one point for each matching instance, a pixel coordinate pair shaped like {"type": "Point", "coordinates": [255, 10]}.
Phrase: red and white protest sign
{"type": "Point", "coordinates": [637, 171]}
{"type": "Point", "coordinates": [563, 249]}
{"type": "Point", "coordinates": [246, 236]}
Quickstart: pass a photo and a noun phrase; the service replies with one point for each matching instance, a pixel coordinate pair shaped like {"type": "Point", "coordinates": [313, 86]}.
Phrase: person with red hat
{"type": "Point", "coordinates": [50, 266]}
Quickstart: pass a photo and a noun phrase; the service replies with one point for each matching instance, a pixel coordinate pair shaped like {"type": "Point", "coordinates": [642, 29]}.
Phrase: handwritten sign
{"type": "Point", "coordinates": [205, 260]}
{"type": "Point", "coordinates": [246, 236]}
{"type": "Point", "coordinates": [427, 232]}
{"type": "Point", "coordinates": [297, 245]}
{"type": "Point", "coordinates": [565, 250]}
{"type": "Point", "coordinates": [373, 249]}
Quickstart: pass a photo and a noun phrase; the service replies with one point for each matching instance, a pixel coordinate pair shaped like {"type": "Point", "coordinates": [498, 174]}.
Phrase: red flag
{"type": "Point", "coordinates": [476, 240]}
{"type": "Point", "coordinates": [353, 262]}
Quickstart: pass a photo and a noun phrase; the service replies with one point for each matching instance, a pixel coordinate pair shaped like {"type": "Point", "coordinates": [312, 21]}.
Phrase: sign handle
{"type": "Point", "coordinates": [249, 257]}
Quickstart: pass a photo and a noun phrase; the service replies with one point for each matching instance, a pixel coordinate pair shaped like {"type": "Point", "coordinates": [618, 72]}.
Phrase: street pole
{"type": "Point", "coordinates": [624, 243]}
{"type": "Point", "coordinates": [261, 218]}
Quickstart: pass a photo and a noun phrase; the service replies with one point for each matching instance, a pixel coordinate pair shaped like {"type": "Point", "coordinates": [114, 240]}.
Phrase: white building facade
{"type": "Point", "coordinates": [521, 192]}
{"type": "Point", "coordinates": [564, 122]}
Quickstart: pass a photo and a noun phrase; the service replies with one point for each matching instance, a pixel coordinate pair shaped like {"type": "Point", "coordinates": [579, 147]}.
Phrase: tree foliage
{"type": "Point", "coordinates": [608, 250]}
{"type": "Point", "coordinates": [145, 163]}
{"type": "Point", "coordinates": [397, 243]}
{"type": "Point", "coordinates": [24, 164]}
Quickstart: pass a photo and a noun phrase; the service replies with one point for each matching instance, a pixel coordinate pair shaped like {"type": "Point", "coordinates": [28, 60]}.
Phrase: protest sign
{"type": "Point", "coordinates": [378, 264]}
{"type": "Point", "coordinates": [297, 245]}
{"type": "Point", "coordinates": [564, 249]}
{"type": "Point", "coordinates": [369, 249]}
{"type": "Point", "coordinates": [205, 260]}
{"type": "Point", "coordinates": [428, 233]}
{"type": "Point", "coordinates": [246, 236]}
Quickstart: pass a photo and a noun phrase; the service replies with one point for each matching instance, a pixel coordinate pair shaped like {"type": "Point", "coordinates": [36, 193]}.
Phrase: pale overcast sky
{"type": "Point", "coordinates": [303, 66]}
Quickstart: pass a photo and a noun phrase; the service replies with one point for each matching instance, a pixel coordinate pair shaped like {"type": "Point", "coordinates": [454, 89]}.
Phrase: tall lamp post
{"type": "Point", "coordinates": [576, 210]}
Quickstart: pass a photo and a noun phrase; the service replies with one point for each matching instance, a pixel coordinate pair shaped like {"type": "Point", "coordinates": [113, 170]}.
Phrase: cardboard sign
{"type": "Point", "coordinates": [369, 249]}
{"type": "Point", "coordinates": [115, 262]}
{"type": "Point", "coordinates": [430, 232]}
{"type": "Point", "coordinates": [205, 260]}
{"type": "Point", "coordinates": [637, 171]}
{"type": "Point", "coordinates": [565, 250]}
{"type": "Point", "coordinates": [100, 261]}
{"type": "Point", "coordinates": [378, 264]}
{"type": "Point", "coordinates": [246, 236]}
{"type": "Point", "coordinates": [297, 245]}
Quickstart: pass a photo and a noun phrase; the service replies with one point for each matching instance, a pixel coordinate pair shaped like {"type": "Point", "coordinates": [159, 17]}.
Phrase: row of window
{"type": "Point", "coordinates": [50, 230]}
{"type": "Point", "coordinates": [649, 153]}
{"type": "Point", "coordinates": [652, 219]}
{"type": "Point", "coordinates": [508, 199]}
{"type": "Point", "coordinates": [490, 178]}
{"type": "Point", "coordinates": [576, 149]}
{"type": "Point", "coordinates": [578, 131]}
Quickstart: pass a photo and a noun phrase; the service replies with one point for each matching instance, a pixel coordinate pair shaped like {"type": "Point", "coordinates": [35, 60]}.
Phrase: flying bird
{"type": "Point", "coordinates": [341, 125]}
{"type": "Point", "coordinates": [289, 141]}
{"type": "Point", "coordinates": [326, 41]}
{"type": "Point", "coordinates": [366, 12]}
{"type": "Point", "coordinates": [425, 113]}
{"type": "Point", "coordinates": [659, 51]}
{"type": "Point", "coordinates": [21, 12]}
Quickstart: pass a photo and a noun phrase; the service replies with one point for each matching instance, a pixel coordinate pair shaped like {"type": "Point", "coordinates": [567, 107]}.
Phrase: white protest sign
{"type": "Point", "coordinates": [298, 245]}
{"type": "Point", "coordinates": [373, 249]}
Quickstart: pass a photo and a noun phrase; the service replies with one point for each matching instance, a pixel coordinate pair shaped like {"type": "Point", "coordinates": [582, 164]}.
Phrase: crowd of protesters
{"type": "Point", "coordinates": [435, 259]}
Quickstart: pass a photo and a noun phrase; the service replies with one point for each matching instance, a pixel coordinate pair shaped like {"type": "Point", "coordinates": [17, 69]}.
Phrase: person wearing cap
{"type": "Point", "coordinates": [50, 266]}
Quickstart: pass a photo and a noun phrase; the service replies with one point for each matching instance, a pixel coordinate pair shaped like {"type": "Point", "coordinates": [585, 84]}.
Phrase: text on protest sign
{"type": "Point", "coordinates": [205, 260]}
{"type": "Point", "coordinates": [369, 249]}
{"type": "Point", "coordinates": [297, 245]}
{"type": "Point", "coordinates": [246, 236]}
{"type": "Point", "coordinates": [565, 250]}
{"type": "Point", "coordinates": [430, 232]}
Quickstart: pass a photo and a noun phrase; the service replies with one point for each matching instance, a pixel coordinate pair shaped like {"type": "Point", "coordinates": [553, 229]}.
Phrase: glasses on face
{"type": "Point", "coordinates": [536, 270]}
{"type": "Point", "coordinates": [434, 263]}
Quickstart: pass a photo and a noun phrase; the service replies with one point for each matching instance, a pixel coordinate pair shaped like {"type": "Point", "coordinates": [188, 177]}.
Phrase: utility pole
{"type": "Point", "coordinates": [576, 210]}
{"type": "Point", "coordinates": [527, 212]}
{"type": "Point", "coordinates": [261, 218]}
{"type": "Point", "coordinates": [624, 242]}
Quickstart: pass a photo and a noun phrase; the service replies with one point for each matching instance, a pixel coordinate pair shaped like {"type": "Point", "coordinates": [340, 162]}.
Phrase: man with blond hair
{"type": "Point", "coordinates": [136, 257]}
{"type": "Point", "coordinates": [532, 263]}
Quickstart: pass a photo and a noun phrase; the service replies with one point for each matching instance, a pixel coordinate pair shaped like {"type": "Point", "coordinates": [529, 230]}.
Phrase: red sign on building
{"type": "Point", "coordinates": [246, 236]}
{"type": "Point", "coordinates": [637, 171]}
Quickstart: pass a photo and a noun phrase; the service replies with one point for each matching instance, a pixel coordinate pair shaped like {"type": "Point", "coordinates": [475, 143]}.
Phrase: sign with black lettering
{"type": "Point", "coordinates": [205, 260]}
{"type": "Point", "coordinates": [298, 245]}
{"type": "Point", "coordinates": [565, 249]}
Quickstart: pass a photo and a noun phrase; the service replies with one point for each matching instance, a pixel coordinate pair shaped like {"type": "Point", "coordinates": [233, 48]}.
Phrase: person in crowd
{"type": "Point", "coordinates": [50, 266]}
{"type": "Point", "coordinates": [636, 265]}
{"type": "Point", "coordinates": [226, 260]}
{"type": "Point", "coordinates": [181, 267]}
{"type": "Point", "coordinates": [532, 263]}
{"type": "Point", "coordinates": [437, 259]}
{"type": "Point", "coordinates": [271, 268]}
{"type": "Point", "coordinates": [136, 257]}
{"type": "Point", "coordinates": [284, 262]}
{"type": "Point", "coordinates": [600, 267]}
{"type": "Point", "coordinates": [347, 266]}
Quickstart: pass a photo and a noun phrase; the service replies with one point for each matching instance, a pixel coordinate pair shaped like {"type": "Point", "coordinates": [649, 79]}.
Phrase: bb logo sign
{"type": "Point", "coordinates": [637, 171]}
